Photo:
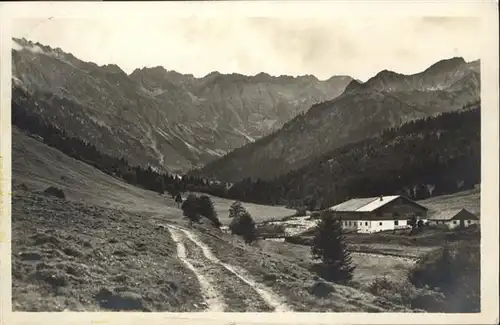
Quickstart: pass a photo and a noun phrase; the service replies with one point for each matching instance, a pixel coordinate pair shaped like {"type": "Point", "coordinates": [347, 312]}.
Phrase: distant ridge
{"type": "Point", "coordinates": [386, 100]}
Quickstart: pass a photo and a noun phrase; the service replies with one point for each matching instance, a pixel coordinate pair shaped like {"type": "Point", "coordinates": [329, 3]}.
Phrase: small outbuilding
{"type": "Point", "coordinates": [454, 218]}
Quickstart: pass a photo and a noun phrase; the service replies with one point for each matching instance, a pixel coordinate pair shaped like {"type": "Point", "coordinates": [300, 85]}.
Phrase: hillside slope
{"type": "Point", "coordinates": [168, 120]}
{"type": "Point", "coordinates": [387, 100]}
{"type": "Point", "coordinates": [109, 246]}
{"type": "Point", "coordinates": [420, 159]}
{"type": "Point", "coordinates": [39, 166]}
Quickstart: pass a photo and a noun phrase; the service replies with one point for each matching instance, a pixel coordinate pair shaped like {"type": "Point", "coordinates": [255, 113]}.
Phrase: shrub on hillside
{"type": "Point", "coordinates": [405, 294]}
{"type": "Point", "coordinates": [54, 191]}
{"type": "Point", "coordinates": [195, 207]}
{"type": "Point", "coordinates": [328, 245]}
{"type": "Point", "coordinates": [455, 272]}
{"type": "Point", "coordinates": [435, 269]}
{"type": "Point", "coordinates": [315, 215]}
{"type": "Point", "coordinates": [271, 229]}
{"type": "Point", "coordinates": [208, 211]}
{"type": "Point", "coordinates": [190, 208]}
{"type": "Point", "coordinates": [300, 212]}
{"type": "Point", "coordinates": [242, 223]}
{"type": "Point", "coordinates": [298, 240]}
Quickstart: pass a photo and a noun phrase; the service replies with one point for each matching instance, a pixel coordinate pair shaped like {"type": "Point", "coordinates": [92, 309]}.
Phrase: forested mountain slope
{"type": "Point", "coordinates": [423, 158]}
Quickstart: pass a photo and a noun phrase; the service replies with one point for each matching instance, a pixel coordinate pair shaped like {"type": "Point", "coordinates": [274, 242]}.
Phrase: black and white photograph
{"type": "Point", "coordinates": [246, 163]}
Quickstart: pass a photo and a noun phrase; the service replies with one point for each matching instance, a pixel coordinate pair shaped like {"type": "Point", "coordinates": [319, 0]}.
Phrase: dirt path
{"type": "Point", "coordinates": [234, 286]}
{"type": "Point", "coordinates": [211, 295]}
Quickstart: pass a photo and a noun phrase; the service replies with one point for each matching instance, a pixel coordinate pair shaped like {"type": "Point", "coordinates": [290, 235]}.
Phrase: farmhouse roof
{"type": "Point", "coordinates": [367, 204]}
{"type": "Point", "coordinates": [452, 214]}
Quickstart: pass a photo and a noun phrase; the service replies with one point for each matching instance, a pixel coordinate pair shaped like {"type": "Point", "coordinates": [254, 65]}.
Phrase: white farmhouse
{"type": "Point", "coordinates": [368, 215]}
{"type": "Point", "coordinates": [454, 218]}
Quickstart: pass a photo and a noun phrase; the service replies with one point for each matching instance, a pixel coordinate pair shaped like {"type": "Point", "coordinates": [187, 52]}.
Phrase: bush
{"type": "Point", "coordinates": [435, 269]}
{"type": "Point", "coordinates": [271, 229]}
{"type": "Point", "coordinates": [298, 240]}
{"type": "Point", "coordinates": [405, 294]}
{"type": "Point", "coordinates": [300, 212]}
{"type": "Point", "coordinates": [455, 272]}
{"type": "Point", "coordinates": [315, 215]}
{"type": "Point", "coordinates": [21, 187]}
{"type": "Point", "coordinates": [242, 223]}
{"type": "Point", "coordinates": [195, 207]}
{"type": "Point", "coordinates": [208, 211]}
{"type": "Point", "coordinates": [54, 191]}
{"type": "Point", "coordinates": [191, 209]}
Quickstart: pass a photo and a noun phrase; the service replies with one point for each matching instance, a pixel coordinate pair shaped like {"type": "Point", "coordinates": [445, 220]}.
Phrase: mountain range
{"type": "Point", "coordinates": [170, 121]}
{"type": "Point", "coordinates": [363, 110]}
{"type": "Point", "coordinates": [229, 126]}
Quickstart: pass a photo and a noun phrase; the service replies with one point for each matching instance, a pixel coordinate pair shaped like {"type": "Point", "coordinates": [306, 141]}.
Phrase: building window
{"type": "Point", "coordinates": [469, 221]}
{"type": "Point", "coordinates": [360, 223]}
{"type": "Point", "coordinates": [380, 223]}
{"type": "Point", "coordinates": [396, 222]}
{"type": "Point", "coordinates": [454, 222]}
{"type": "Point", "coordinates": [366, 223]}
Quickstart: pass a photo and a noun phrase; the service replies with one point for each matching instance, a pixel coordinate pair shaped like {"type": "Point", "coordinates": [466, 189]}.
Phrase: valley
{"type": "Point", "coordinates": [117, 248]}
{"type": "Point", "coordinates": [159, 191]}
{"type": "Point", "coordinates": [111, 246]}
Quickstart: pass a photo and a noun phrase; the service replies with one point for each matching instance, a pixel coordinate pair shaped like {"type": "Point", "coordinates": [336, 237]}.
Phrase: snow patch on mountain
{"type": "Point", "coordinates": [101, 123]}
{"type": "Point", "coordinates": [217, 152]}
{"type": "Point", "coordinates": [249, 138]}
{"type": "Point", "coordinates": [163, 134]}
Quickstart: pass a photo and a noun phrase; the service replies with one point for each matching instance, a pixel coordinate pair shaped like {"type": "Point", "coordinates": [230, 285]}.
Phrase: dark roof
{"type": "Point", "coordinates": [453, 214]}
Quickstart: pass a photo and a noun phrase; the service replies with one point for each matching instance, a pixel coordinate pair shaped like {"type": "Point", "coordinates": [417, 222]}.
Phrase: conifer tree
{"type": "Point", "coordinates": [160, 185]}
{"type": "Point", "coordinates": [236, 209]}
{"type": "Point", "coordinates": [329, 246]}
{"type": "Point", "coordinates": [178, 199]}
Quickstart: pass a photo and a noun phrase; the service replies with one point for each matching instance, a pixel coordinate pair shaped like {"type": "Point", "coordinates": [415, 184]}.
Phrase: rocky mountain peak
{"type": "Point", "coordinates": [353, 86]}
{"type": "Point", "coordinates": [386, 100]}
{"type": "Point", "coordinates": [113, 68]}
{"type": "Point", "coordinates": [446, 65]}
{"type": "Point", "coordinates": [157, 117]}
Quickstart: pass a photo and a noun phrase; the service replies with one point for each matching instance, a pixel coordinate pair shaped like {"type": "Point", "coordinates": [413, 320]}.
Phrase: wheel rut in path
{"type": "Point", "coordinates": [235, 286]}
{"type": "Point", "coordinates": [211, 296]}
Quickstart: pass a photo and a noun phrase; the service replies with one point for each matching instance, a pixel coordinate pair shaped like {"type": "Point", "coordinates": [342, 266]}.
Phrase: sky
{"type": "Point", "coordinates": [323, 46]}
